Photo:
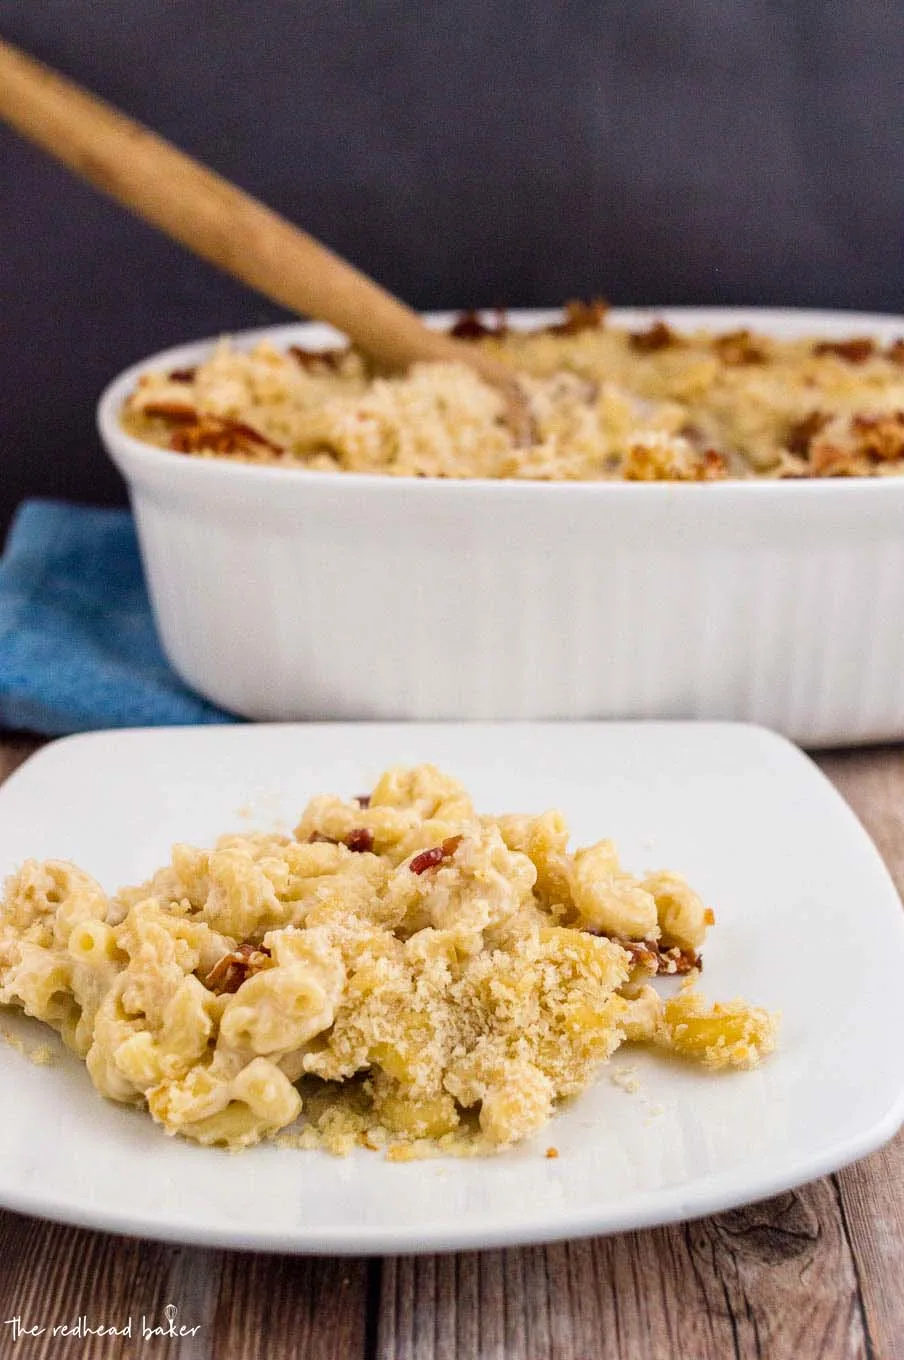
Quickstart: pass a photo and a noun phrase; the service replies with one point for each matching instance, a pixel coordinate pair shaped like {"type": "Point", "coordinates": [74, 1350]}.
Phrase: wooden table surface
{"type": "Point", "coordinates": [816, 1272]}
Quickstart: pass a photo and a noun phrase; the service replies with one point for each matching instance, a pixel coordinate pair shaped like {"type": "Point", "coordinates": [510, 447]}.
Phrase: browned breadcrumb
{"type": "Point", "coordinates": [41, 1055]}
{"type": "Point", "coordinates": [729, 1034]}
{"type": "Point", "coordinates": [850, 448]}
{"type": "Point", "coordinates": [605, 404]}
{"type": "Point", "coordinates": [672, 460]}
{"type": "Point", "coordinates": [625, 1078]}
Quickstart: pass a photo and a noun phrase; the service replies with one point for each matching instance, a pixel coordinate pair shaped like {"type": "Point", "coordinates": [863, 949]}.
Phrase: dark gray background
{"type": "Point", "coordinates": [479, 152]}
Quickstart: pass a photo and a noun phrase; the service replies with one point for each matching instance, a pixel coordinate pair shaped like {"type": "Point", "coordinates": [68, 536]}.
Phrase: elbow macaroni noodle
{"type": "Point", "coordinates": [402, 971]}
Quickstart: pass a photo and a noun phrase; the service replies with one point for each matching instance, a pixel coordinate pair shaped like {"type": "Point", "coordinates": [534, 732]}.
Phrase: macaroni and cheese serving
{"type": "Point", "coordinates": [606, 404]}
{"type": "Point", "coordinates": [401, 972]}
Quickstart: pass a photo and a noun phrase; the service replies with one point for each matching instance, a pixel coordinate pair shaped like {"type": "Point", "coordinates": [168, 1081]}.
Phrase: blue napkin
{"type": "Point", "coordinates": [78, 646]}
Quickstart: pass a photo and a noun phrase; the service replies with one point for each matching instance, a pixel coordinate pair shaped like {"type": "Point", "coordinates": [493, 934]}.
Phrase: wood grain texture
{"type": "Point", "coordinates": [275, 1307]}
{"type": "Point", "coordinates": [768, 1282]}
{"type": "Point", "coordinates": [51, 1275]}
{"type": "Point", "coordinates": [813, 1273]}
{"type": "Point", "coordinates": [227, 1305]}
{"type": "Point", "coordinates": [871, 1193]}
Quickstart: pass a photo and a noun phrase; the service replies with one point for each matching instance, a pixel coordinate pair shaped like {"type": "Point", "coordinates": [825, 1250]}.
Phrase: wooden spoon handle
{"type": "Point", "coordinates": [215, 219]}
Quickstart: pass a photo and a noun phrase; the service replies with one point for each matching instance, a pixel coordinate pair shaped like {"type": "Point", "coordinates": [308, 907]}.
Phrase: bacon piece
{"type": "Point", "coordinates": [855, 351]}
{"type": "Point", "coordinates": [654, 958]}
{"type": "Point", "coordinates": [675, 961]}
{"type": "Point", "coordinates": [313, 359]}
{"type": "Point", "coordinates": [644, 953]}
{"type": "Point", "coordinates": [738, 348]}
{"type": "Point", "coordinates": [581, 316]}
{"type": "Point", "coordinates": [220, 434]}
{"type": "Point", "coordinates": [895, 352]}
{"type": "Point", "coordinates": [713, 467]}
{"type": "Point", "coordinates": [229, 972]}
{"type": "Point", "coordinates": [170, 410]}
{"type": "Point", "coordinates": [359, 839]}
{"type": "Point", "coordinates": [659, 336]}
{"type": "Point", "coordinates": [803, 431]}
{"type": "Point", "coordinates": [363, 800]}
{"type": "Point", "coordinates": [469, 326]}
{"type": "Point", "coordinates": [185, 375]}
{"type": "Point", "coordinates": [429, 859]}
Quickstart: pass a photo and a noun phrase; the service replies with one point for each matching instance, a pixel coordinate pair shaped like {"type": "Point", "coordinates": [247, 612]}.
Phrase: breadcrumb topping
{"type": "Point", "coordinates": [606, 404]}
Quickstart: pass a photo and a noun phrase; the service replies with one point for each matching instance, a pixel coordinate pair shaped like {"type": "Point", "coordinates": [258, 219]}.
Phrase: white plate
{"type": "Point", "coordinates": [808, 923]}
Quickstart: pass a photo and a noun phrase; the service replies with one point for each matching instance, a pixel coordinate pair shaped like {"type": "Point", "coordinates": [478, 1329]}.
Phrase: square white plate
{"type": "Point", "coordinates": [808, 923]}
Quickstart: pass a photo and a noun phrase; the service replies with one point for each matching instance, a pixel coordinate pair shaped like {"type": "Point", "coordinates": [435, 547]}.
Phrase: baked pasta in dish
{"type": "Point", "coordinates": [607, 404]}
{"type": "Point", "coordinates": [401, 972]}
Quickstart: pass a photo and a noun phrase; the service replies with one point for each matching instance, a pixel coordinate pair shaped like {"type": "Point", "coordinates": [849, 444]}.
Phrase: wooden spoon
{"type": "Point", "coordinates": [220, 222]}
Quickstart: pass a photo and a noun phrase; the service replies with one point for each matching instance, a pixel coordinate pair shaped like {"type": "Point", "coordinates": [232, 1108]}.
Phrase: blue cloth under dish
{"type": "Point", "coordinates": [78, 646]}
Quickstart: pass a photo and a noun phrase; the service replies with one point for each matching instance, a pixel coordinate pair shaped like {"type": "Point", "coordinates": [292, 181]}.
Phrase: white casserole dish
{"type": "Point", "coordinates": [288, 594]}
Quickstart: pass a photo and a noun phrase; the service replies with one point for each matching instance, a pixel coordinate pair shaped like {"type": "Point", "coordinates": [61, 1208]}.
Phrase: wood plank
{"type": "Point", "coordinates": [871, 1193]}
{"type": "Point", "coordinates": [872, 782]}
{"type": "Point", "coordinates": [290, 1306]}
{"type": "Point", "coordinates": [229, 1305]}
{"type": "Point", "coordinates": [51, 1275]}
{"type": "Point", "coordinates": [774, 1281]}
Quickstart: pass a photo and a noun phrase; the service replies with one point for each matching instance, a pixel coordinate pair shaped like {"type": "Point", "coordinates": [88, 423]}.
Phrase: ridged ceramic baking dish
{"type": "Point", "coordinates": [284, 594]}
